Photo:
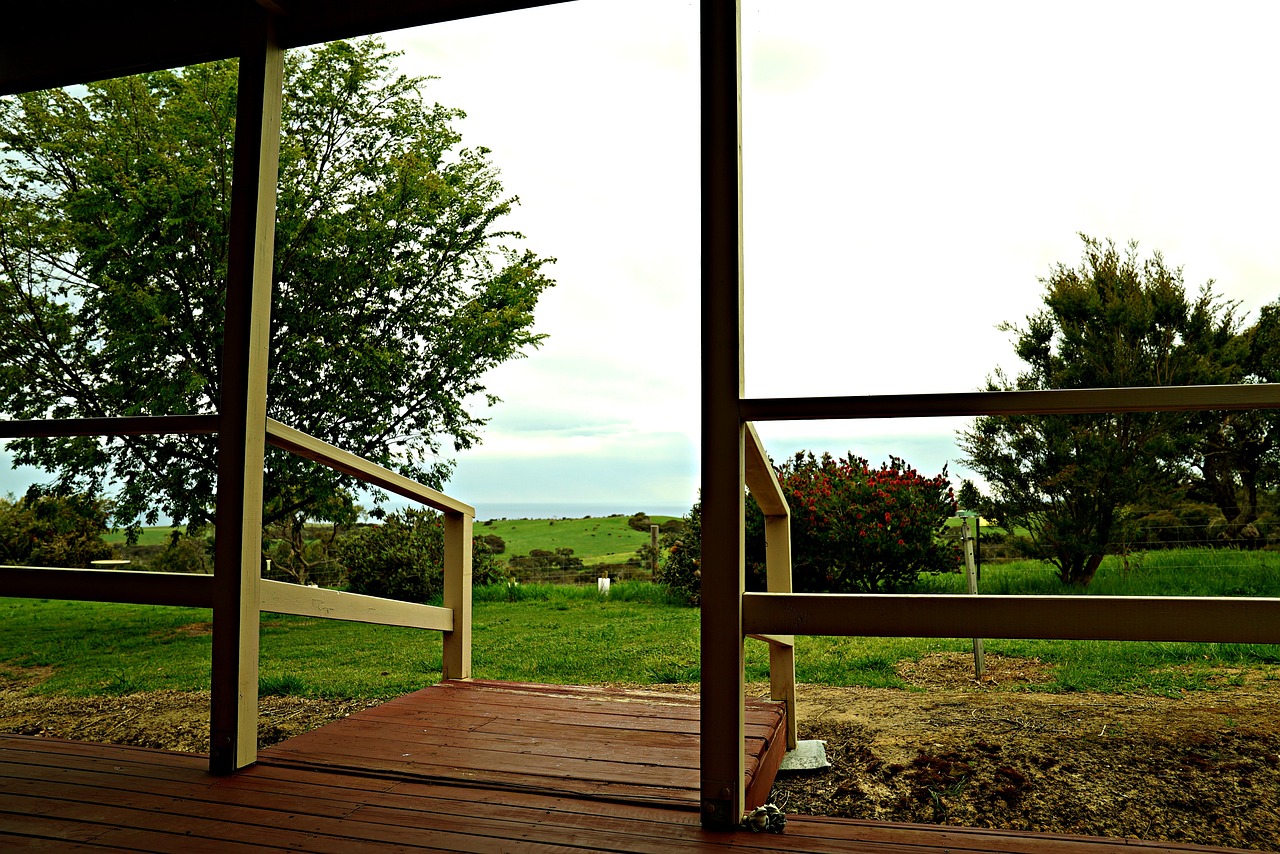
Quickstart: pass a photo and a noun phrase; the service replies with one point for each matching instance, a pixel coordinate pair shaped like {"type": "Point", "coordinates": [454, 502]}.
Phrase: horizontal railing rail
{"type": "Point", "coordinates": [107, 585]}
{"type": "Point", "coordinates": [134, 425]}
{"type": "Point", "coordinates": [282, 597]}
{"type": "Point", "coordinates": [1116, 618]}
{"type": "Point", "coordinates": [1048, 402]}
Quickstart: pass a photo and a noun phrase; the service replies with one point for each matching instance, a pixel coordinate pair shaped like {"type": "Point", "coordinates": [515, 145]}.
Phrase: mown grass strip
{"type": "Point", "coordinates": [539, 633]}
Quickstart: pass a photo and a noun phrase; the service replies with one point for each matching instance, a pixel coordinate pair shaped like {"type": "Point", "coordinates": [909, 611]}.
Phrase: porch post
{"type": "Point", "coordinates": [243, 406]}
{"type": "Point", "coordinates": [723, 769]}
{"type": "Point", "coordinates": [456, 657]}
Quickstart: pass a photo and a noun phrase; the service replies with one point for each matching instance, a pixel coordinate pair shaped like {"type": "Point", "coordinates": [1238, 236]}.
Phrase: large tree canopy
{"type": "Point", "coordinates": [395, 288]}
{"type": "Point", "coordinates": [1115, 321]}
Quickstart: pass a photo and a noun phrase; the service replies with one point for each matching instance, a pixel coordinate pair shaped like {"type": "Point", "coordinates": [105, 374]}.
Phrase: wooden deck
{"type": "Point", "coordinates": [475, 766]}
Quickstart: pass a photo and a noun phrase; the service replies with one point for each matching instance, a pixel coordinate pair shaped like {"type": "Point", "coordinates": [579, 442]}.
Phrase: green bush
{"type": "Point", "coordinates": [184, 553]}
{"type": "Point", "coordinates": [403, 558]}
{"type": "Point", "coordinates": [640, 522]}
{"type": "Point", "coordinates": [672, 526]}
{"type": "Point", "coordinates": [680, 564]}
{"type": "Point", "coordinates": [545, 560]}
{"type": "Point", "coordinates": [44, 528]}
{"type": "Point", "coordinates": [854, 529]}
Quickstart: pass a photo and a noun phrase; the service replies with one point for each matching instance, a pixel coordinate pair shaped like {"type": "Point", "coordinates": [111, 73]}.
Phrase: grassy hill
{"type": "Point", "coordinates": [606, 539]}
{"type": "Point", "coordinates": [597, 540]}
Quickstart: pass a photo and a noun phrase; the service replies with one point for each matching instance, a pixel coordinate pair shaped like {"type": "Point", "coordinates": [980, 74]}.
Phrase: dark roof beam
{"type": "Point", "coordinates": [45, 46]}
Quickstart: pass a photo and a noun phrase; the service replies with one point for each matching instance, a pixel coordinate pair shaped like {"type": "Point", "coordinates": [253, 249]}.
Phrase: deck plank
{"type": "Point", "coordinates": [490, 767]}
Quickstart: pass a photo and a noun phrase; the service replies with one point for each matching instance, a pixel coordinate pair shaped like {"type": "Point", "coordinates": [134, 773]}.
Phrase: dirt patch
{"type": "Point", "coordinates": [170, 720]}
{"type": "Point", "coordinates": [190, 630]}
{"type": "Point", "coordinates": [951, 670]}
{"type": "Point", "coordinates": [1201, 768]}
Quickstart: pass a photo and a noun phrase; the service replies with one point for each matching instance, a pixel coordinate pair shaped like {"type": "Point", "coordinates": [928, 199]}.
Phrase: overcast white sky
{"type": "Point", "coordinates": [911, 170]}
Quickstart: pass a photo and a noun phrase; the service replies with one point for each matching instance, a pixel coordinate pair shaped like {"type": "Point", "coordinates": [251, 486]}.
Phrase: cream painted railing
{"type": "Point", "coordinates": [156, 588]}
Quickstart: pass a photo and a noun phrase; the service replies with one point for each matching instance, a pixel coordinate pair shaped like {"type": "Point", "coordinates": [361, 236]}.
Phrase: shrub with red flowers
{"type": "Point", "coordinates": [855, 529]}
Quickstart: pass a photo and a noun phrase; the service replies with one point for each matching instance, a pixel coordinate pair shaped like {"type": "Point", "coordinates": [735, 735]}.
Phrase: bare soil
{"type": "Point", "coordinates": [1201, 768]}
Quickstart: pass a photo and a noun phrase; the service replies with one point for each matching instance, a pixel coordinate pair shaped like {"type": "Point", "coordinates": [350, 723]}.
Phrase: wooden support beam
{"type": "Point", "coordinates": [1131, 618]}
{"type": "Point", "coordinates": [457, 594]}
{"type": "Point", "coordinates": [243, 406]}
{"type": "Point", "coordinates": [281, 597]}
{"type": "Point", "coordinates": [43, 46]}
{"type": "Point", "coordinates": [107, 585]}
{"type": "Point", "coordinates": [722, 715]}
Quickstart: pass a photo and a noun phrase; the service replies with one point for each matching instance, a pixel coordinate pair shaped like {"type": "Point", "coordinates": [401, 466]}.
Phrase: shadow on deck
{"type": "Point", "coordinates": [461, 766]}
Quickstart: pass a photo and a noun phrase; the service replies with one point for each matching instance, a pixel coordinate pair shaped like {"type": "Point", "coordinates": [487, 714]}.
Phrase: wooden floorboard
{"type": "Point", "coordinates": [475, 767]}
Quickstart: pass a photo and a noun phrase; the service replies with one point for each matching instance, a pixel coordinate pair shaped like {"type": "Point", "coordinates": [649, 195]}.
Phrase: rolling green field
{"type": "Point", "coordinates": [606, 539]}
{"type": "Point", "coordinates": [149, 536]}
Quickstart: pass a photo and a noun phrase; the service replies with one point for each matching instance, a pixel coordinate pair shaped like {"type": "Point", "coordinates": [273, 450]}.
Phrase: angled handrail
{"type": "Point", "coordinates": [459, 520]}
{"type": "Point", "coordinates": [317, 450]}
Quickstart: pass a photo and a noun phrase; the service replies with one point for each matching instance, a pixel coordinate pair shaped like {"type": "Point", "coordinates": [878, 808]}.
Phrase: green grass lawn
{"type": "Point", "coordinates": [551, 634]}
{"type": "Point", "coordinates": [1172, 572]}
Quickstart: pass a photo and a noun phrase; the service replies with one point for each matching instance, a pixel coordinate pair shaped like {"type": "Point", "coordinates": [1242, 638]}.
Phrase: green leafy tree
{"type": "Point", "coordinates": [403, 558]}
{"type": "Point", "coordinates": [45, 528]}
{"type": "Point", "coordinates": [1114, 321]}
{"type": "Point", "coordinates": [187, 553]}
{"type": "Point", "coordinates": [1236, 455]}
{"type": "Point", "coordinates": [395, 286]}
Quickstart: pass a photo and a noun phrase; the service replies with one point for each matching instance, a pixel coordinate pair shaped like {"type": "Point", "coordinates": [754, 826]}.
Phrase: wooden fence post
{"type": "Point", "coordinates": [971, 575]}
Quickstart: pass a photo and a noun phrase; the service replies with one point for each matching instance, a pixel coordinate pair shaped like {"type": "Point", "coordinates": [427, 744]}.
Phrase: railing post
{"type": "Point", "coordinates": [782, 656]}
{"type": "Point", "coordinates": [722, 715]}
{"type": "Point", "coordinates": [242, 410]}
{"type": "Point", "coordinates": [765, 489]}
{"type": "Point", "coordinates": [457, 594]}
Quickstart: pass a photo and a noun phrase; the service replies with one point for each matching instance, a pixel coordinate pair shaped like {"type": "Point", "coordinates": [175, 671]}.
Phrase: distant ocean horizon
{"type": "Point", "coordinates": [571, 509]}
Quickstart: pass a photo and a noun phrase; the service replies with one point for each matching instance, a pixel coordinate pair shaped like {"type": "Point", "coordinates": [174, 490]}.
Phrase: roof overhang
{"type": "Point", "coordinates": [46, 45]}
